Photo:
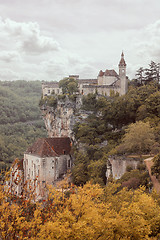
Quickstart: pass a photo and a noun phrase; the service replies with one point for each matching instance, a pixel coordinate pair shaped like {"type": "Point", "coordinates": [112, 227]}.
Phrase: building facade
{"type": "Point", "coordinates": [106, 82]}
{"type": "Point", "coordinates": [45, 163]}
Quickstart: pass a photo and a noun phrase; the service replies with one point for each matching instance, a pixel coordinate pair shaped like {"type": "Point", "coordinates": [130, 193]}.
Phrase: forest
{"type": "Point", "coordinates": [20, 118]}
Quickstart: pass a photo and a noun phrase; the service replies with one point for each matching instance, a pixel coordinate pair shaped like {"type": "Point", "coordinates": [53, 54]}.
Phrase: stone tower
{"type": "Point", "coordinates": [122, 75]}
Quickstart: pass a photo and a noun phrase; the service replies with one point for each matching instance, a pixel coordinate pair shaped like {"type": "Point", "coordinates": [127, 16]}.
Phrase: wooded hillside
{"type": "Point", "coordinates": [20, 118]}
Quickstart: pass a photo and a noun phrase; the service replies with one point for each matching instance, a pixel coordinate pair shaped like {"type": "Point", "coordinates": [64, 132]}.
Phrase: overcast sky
{"type": "Point", "coordinates": [50, 39]}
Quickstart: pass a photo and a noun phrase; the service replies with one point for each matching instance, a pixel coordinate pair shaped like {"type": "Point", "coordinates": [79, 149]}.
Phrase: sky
{"type": "Point", "coordinates": [51, 39]}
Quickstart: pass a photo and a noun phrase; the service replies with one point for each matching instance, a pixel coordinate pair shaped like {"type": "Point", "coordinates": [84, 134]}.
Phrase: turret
{"type": "Point", "coordinates": [122, 75]}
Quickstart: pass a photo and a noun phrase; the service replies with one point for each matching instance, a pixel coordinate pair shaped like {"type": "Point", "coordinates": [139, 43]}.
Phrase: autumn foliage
{"type": "Point", "coordinates": [88, 212]}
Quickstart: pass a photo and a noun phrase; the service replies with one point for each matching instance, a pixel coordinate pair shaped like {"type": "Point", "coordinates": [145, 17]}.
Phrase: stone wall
{"type": "Point", "coordinates": [117, 165]}
{"type": "Point", "coordinates": [41, 171]}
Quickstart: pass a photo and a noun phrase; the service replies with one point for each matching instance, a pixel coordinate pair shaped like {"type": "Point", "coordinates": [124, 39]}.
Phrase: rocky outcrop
{"type": "Point", "coordinates": [60, 120]}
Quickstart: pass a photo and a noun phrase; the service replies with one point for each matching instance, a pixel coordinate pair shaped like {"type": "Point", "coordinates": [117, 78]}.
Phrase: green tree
{"type": "Point", "coordinates": [140, 75]}
{"type": "Point", "coordinates": [68, 85]}
{"type": "Point", "coordinates": [80, 169]}
{"type": "Point", "coordinates": [139, 138]}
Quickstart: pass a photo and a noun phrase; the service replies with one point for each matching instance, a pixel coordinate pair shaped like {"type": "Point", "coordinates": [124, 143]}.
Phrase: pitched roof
{"type": "Point", "coordinates": [50, 84]}
{"type": "Point", "coordinates": [50, 147]}
{"type": "Point", "coordinates": [108, 73]}
{"type": "Point", "coordinates": [122, 62]}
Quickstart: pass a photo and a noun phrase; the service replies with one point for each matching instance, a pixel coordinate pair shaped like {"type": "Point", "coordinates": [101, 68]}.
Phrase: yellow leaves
{"type": "Point", "coordinates": [90, 213]}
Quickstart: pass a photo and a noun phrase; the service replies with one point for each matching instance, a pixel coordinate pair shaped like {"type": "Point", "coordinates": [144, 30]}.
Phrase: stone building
{"type": "Point", "coordinates": [45, 162]}
{"type": "Point", "coordinates": [106, 82]}
{"type": "Point", "coordinates": [50, 88]}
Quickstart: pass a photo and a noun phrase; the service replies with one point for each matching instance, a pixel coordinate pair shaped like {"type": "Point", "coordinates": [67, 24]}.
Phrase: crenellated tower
{"type": "Point", "coordinates": [122, 75]}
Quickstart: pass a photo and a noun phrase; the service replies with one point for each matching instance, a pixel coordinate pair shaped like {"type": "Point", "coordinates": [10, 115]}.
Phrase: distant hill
{"type": "Point", "coordinates": [20, 118]}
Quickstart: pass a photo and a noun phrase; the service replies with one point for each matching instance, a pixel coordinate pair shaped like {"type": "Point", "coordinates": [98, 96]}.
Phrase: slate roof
{"type": "Point", "coordinates": [50, 147]}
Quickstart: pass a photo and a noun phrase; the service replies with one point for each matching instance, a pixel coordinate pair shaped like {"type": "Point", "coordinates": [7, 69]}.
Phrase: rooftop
{"type": "Point", "coordinates": [108, 73]}
{"type": "Point", "coordinates": [50, 147]}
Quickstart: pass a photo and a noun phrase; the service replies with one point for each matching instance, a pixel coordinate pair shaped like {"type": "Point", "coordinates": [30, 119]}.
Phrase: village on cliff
{"type": "Point", "coordinates": [48, 160]}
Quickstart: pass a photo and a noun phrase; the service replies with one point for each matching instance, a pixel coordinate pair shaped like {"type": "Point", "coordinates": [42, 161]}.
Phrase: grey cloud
{"type": "Point", "coordinates": [29, 37]}
{"type": "Point", "coordinates": [9, 57]}
{"type": "Point", "coordinates": [37, 44]}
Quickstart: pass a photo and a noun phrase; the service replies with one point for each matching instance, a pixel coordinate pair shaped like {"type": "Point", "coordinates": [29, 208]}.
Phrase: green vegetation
{"type": "Point", "coordinates": [50, 101]}
{"type": "Point", "coordinates": [147, 75]}
{"type": "Point", "coordinates": [139, 138]}
{"type": "Point", "coordinates": [68, 85]}
{"type": "Point", "coordinates": [128, 123]}
{"type": "Point", "coordinates": [20, 119]}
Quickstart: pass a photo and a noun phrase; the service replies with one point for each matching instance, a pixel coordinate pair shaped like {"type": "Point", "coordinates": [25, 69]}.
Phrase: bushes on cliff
{"type": "Point", "coordinates": [50, 101]}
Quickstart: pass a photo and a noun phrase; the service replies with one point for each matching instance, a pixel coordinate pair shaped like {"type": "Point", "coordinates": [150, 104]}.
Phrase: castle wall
{"type": "Point", "coordinates": [102, 90]}
{"type": "Point", "coordinates": [106, 80]}
{"type": "Point", "coordinates": [46, 91]}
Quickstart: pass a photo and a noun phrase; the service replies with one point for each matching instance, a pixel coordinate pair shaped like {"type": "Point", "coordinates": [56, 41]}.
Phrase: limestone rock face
{"type": "Point", "coordinates": [60, 120]}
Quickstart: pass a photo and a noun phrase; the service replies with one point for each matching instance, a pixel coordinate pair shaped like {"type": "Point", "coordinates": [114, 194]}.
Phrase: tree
{"type": "Point", "coordinates": [139, 137]}
{"type": "Point", "coordinates": [153, 104]}
{"type": "Point", "coordinates": [89, 102]}
{"type": "Point", "coordinates": [152, 73]}
{"type": "Point", "coordinates": [139, 74]}
{"type": "Point", "coordinates": [68, 85]}
{"type": "Point", "coordinates": [80, 171]}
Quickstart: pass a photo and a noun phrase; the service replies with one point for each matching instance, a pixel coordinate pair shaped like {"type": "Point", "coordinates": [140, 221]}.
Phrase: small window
{"type": "Point", "coordinates": [69, 163]}
{"type": "Point", "coordinates": [49, 91]}
{"type": "Point", "coordinates": [43, 162]}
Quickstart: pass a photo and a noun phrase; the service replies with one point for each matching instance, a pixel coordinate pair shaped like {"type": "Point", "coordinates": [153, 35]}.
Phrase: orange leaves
{"type": "Point", "coordinates": [87, 212]}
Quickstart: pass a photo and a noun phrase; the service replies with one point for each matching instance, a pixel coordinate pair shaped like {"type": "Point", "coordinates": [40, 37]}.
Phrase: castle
{"type": "Point", "coordinates": [106, 82]}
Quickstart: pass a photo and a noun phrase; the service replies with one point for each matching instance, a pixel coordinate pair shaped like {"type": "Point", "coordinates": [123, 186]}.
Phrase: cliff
{"type": "Point", "coordinates": [60, 120]}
